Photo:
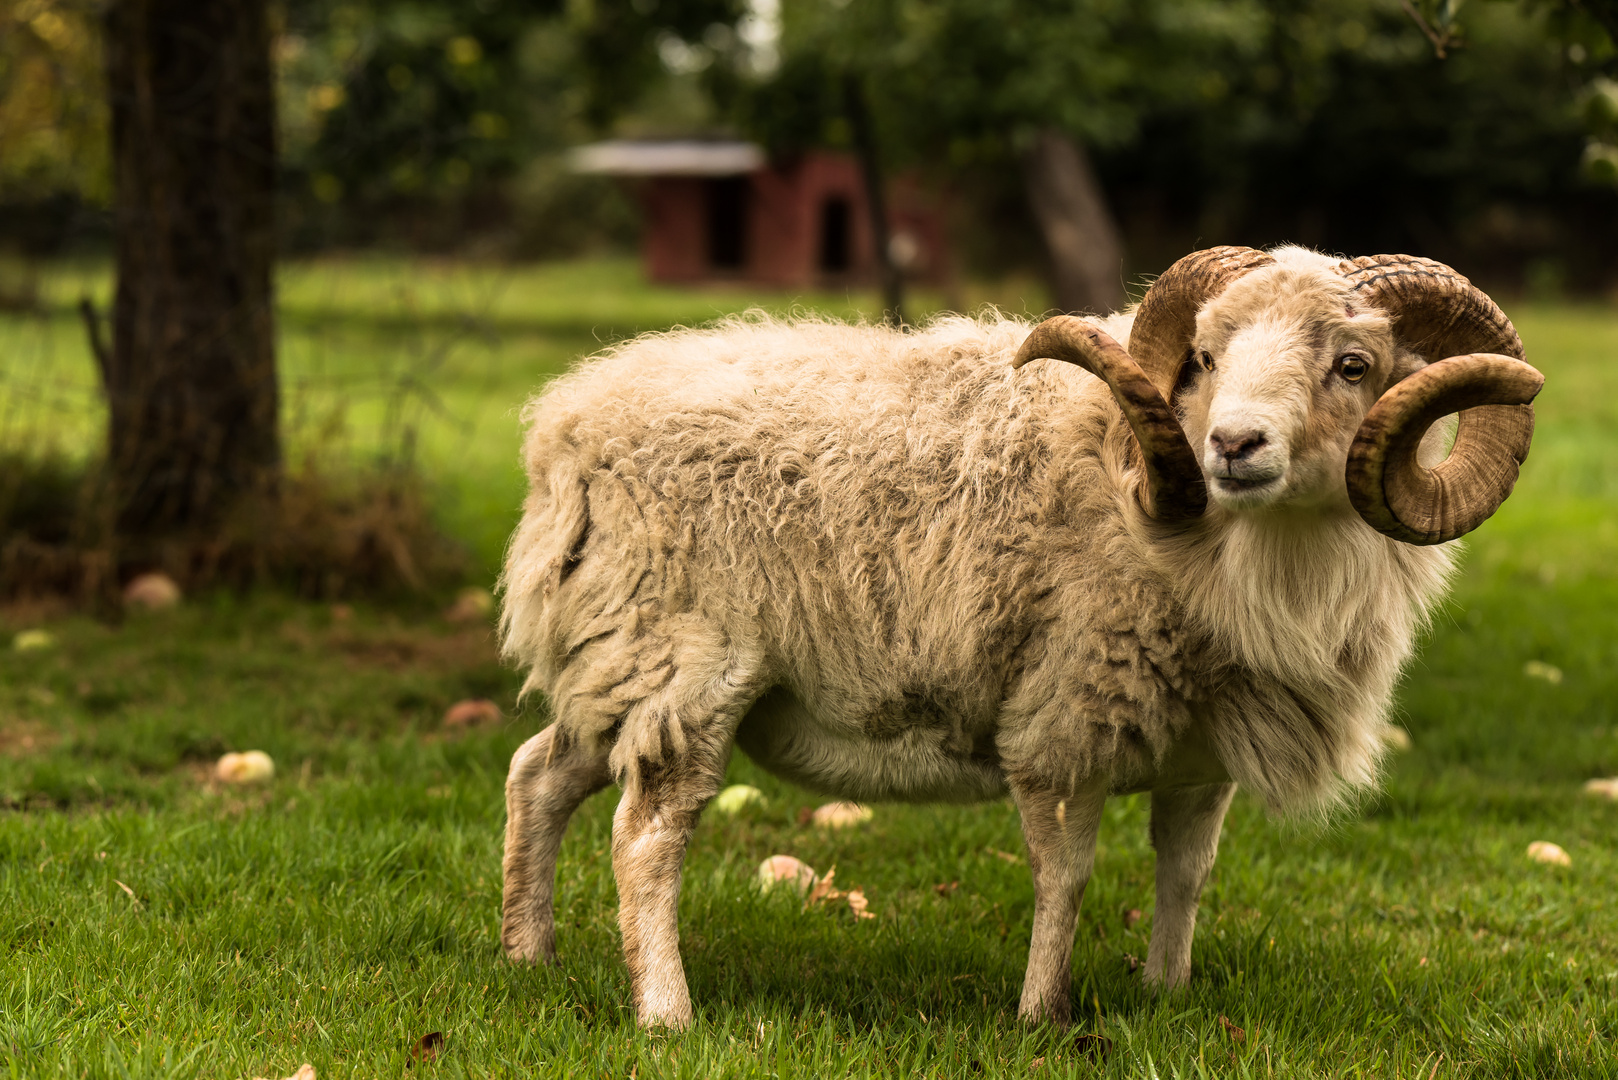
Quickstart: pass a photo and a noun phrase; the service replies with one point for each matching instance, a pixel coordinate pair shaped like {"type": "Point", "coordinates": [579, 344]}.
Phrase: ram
{"type": "Point", "coordinates": [921, 566]}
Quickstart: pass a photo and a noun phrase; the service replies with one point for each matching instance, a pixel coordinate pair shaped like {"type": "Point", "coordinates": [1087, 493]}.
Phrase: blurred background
{"type": "Point", "coordinates": [274, 276]}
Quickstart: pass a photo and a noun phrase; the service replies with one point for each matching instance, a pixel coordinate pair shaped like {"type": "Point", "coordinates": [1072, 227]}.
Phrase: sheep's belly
{"type": "Point", "coordinates": [918, 762]}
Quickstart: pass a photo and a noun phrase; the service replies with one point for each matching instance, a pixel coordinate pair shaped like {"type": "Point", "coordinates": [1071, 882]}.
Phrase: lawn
{"type": "Point", "coordinates": [155, 923]}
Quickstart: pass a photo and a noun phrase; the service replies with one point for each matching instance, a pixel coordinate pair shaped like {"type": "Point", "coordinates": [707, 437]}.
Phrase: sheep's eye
{"type": "Point", "coordinates": [1352, 367]}
{"type": "Point", "coordinates": [1205, 360]}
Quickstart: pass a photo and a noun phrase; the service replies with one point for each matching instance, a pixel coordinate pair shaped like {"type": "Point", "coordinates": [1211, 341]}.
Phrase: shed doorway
{"type": "Point", "coordinates": [836, 239]}
{"type": "Point", "coordinates": [727, 222]}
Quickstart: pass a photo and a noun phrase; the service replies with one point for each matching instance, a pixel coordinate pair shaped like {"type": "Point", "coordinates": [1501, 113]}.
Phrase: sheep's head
{"type": "Point", "coordinates": [1300, 380]}
{"type": "Point", "coordinates": [1284, 365]}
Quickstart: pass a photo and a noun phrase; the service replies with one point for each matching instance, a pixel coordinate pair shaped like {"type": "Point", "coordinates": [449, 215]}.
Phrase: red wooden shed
{"type": "Point", "coordinates": [716, 210]}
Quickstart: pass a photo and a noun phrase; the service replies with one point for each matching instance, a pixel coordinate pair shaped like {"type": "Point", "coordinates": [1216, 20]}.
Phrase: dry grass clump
{"type": "Point", "coordinates": [322, 534]}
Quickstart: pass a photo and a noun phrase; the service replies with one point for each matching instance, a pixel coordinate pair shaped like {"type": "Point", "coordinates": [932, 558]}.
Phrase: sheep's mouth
{"type": "Point", "coordinates": [1245, 483]}
{"type": "Point", "coordinates": [1246, 489]}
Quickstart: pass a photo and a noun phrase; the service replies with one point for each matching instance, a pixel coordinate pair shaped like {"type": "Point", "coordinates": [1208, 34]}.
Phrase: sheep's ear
{"type": "Point", "coordinates": [1174, 489]}
{"type": "Point", "coordinates": [1477, 370]}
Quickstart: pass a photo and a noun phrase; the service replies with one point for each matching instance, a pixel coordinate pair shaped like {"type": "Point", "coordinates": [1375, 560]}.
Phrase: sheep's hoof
{"type": "Point", "coordinates": [1155, 980]}
{"type": "Point", "coordinates": [530, 948]}
{"type": "Point", "coordinates": [667, 1020]}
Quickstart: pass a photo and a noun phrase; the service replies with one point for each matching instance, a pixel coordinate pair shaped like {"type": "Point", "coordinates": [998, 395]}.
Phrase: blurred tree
{"type": "Point", "coordinates": [1028, 84]}
{"type": "Point", "coordinates": [1341, 129]}
{"type": "Point", "coordinates": [1588, 29]}
{"type": "Point", "coordinates": [190, 377]}
{"type": "Point", "coordinates": [419, 92]}
{"type": "Point", "coordinates": [407, 103]}
{"type": "Point", "coordinates": [1210, 121]}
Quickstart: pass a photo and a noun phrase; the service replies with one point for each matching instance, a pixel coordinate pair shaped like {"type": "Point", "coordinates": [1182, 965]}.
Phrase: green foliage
{"type": "Point", "coordinates": [53, 119]}
{"type": "Point", "coordinates": [413, 99]}
{"type": "Point", "coordinates": [1329, 122]}
{"type": "Point", "coordinates": [957, 75]}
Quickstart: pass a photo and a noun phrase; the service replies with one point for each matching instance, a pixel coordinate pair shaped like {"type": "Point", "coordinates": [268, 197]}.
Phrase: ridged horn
{"type": "Point", "coordinates": [1476, 368]}
{"type": "Point", "coordinates": [1174, 489]}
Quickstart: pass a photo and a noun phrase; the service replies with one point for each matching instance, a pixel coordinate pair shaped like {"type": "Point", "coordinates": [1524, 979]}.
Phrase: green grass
{"type": "Point", "coordinates": [351, 906]}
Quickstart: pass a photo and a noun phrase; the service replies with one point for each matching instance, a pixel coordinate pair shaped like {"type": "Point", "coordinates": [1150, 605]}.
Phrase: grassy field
{"type": "Point", "coordinates": [153, 923]}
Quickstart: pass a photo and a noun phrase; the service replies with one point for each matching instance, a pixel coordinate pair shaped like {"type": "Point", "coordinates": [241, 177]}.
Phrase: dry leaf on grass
{"type": "Point", "coordinates": [841, 815]}
{"type": "Point", "coordinates": [248, 767]}
{"type": "Point", "coordinates": [426, 1048]}
{"type": "Point", "coordinates": [1131, 917]}
{"type": "Point", "coordinates": [473, 712]}
{"type": "Point", "coordinates": [32, 640]}
{"type": "Point", "coordinates": [824, 889]}
{"type": "Point", "coordinates": [1606, 787]}
{"type": "Point", "coordinates": [779, 868]}
{"type": "Point", "coordinates": [944, 888]}
{"type": "Point", "coordinates": [471, 604]}
{"type": "Point", "coordinates": [1232, 1030]}
{"type": "Point", "coordinates": [1538, 669]}
{"type": "Point", "coordinates": [154, 592]}
{"type": "Point", "coordinates": [1006, 856]}
{"type": "Point", "coordinates": [1543, 851]}
{"type": "Point", "coordinates": [736, 798]}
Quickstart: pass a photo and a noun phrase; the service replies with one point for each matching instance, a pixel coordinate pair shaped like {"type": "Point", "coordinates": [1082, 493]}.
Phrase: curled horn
{"type": "Point", "coordinates": [1142, 377]}
{"type": "Point", "coordinates": [1475, 367]}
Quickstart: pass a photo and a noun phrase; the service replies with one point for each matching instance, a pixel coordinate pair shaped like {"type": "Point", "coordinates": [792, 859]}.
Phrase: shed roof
{"type": "Point", "coordinates": [668, 157]}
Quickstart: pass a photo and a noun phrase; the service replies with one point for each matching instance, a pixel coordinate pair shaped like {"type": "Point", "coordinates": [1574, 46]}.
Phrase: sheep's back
{"type": "Point", "coordinates": [870, 504]}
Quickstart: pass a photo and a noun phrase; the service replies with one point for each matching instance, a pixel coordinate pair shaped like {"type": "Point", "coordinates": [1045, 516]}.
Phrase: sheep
{"type": "Point", "coordinates": [919, 566]}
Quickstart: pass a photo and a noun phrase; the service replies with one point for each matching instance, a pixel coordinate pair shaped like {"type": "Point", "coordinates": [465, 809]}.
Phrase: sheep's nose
{"type": "Point", "coordinates": [1233, 446]}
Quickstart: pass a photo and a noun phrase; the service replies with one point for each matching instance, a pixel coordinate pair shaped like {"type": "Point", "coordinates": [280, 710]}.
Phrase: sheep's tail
{"type": "Point", "coordinates": [546, 547]}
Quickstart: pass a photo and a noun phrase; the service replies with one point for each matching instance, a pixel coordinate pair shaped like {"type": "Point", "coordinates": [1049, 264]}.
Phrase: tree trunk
{"type": "Point", "coordinates": [1086, 255]}
{"type": "Point", "coordinates": [190, 378]}
{"type": "Point", "coordinates": [859, 119]}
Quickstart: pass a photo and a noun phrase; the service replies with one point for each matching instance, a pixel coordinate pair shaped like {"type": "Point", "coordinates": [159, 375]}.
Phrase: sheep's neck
{"type": "Point", "coordinates": [1306, 599]}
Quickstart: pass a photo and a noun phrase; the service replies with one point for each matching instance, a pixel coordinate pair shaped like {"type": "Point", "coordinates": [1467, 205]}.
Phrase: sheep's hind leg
{"type": "Point", "coordinates": [694, 718]}
{"type": "Point", "coordinates": [1061, 836]}
{"type": "Point", "coordinates": [1185, 832]}
{"type": "Point", "coordinates": [650, 831]}
{"type": "Point", "coordinates": [549, 778]}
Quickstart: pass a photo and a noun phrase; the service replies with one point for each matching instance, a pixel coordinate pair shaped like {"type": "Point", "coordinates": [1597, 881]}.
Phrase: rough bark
{"type": "Point", "coordinates": [1085, 252]}
{"type": "Point", "coordinates": [190, 377]}
{"type": "Point", "coordinates": [865, 145]}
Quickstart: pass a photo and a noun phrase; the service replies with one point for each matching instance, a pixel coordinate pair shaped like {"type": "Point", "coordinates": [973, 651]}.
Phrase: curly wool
{"type": "Point", "coordinates": [936, 564]}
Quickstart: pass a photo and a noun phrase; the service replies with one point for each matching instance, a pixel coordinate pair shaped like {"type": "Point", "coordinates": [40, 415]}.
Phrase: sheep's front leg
{"type": "Point", "coordinates": [649, 836]}
{"type": "Point", "coordinates": [549, 778]}
{"type": "Point", "coordinates": [1185, 832]}
{"type": "Point", "coordinates": [1061, 836]}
